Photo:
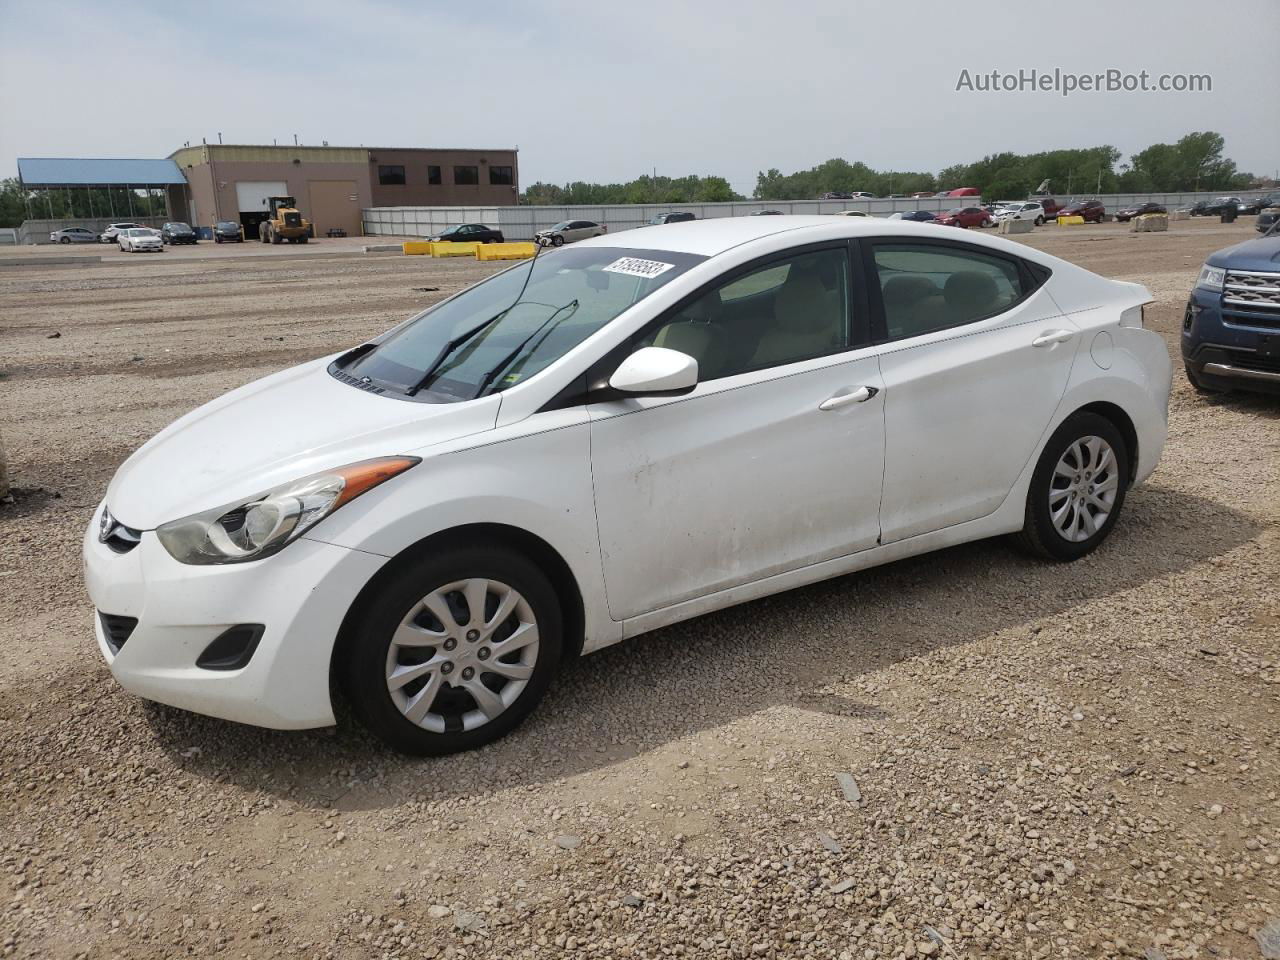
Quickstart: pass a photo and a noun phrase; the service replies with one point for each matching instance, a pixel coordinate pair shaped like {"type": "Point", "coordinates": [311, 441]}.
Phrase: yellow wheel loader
{"type": "Point", "coordinates": [285, 222]}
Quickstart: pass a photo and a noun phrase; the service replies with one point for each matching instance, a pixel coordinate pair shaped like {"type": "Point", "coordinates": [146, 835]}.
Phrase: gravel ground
{"type": "Point", "coordinates": [1043, 761]}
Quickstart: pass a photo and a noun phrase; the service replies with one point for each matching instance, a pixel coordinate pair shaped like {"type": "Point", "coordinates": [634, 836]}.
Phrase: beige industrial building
{"type": "Point", "coordinates": [333, 184]}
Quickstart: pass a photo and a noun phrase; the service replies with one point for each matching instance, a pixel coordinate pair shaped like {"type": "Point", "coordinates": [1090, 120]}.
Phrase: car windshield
{"type": "Point", "coordinates": [139, 233]}
{"type": "Point", "coordinates": [179, 228]}
{"type": "Point", "coordinates": [228, 225]}
{"type": "Point", "coordinates": [562, 225]}
{"type": "Point", "coordinates": [571, 293]}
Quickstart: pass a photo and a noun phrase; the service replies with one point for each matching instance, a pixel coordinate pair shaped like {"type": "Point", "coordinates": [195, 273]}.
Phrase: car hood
{"type": "Point", "coordinates": [1262, 253]}
{"type": "Point", "coordinates": [288, 425]}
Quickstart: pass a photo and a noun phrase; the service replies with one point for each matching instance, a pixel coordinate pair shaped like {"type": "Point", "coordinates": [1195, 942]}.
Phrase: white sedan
{"type": "Point", "coordinates": [621, 434]}
{"type": "Point", "coordinates": [140, 240]}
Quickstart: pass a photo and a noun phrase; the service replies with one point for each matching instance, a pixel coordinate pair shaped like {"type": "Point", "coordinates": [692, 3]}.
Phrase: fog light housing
{"type": "Point", "coordinates": [233, 648]}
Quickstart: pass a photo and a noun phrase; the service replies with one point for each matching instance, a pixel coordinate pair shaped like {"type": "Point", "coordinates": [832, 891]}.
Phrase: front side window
{"type": "Point", "coordinates": [571, 293]}
{"type": "Point", "coordinates": [466, 176]}
{"type": "Point", "coordinates": [390, 174]}
{"type": "Point", "coordinates": [928, 287]}
{"type": "Point", "coordinates": [502, 176]}
{"type": "Point", "coordinates": [789, 310]}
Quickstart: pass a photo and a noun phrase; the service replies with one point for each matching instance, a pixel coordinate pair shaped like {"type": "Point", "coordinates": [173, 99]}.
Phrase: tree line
{"type": "Point", "coordinates": [1195, 162]}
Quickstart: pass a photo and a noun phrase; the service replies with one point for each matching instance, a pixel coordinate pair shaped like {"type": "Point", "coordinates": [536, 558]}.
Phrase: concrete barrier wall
{"type": "Point", "coordinates": [521, 223]}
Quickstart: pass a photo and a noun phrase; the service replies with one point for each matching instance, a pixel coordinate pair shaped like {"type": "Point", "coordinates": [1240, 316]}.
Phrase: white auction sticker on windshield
{"type": "Point", "coordinates": [635, 267]}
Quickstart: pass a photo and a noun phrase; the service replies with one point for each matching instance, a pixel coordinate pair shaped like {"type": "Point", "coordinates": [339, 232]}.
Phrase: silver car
{"type": "Point", "coordinates": [73, 235]}
{"type": "Point", "coordinates": [139, 240]}
{"type": "Point", "coordinates": [567, 231]}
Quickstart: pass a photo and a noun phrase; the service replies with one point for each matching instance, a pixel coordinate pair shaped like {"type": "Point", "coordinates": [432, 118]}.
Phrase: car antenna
{"type": "Point", "coordinates": [466, 335]}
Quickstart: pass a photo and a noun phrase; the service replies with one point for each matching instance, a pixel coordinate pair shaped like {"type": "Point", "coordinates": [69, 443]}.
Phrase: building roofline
{"type": "Point", "coordinates": [334, 146]}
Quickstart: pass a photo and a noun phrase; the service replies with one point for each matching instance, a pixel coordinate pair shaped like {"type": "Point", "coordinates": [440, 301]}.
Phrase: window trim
{"type": "Point", "coordinates": [1031, 276]}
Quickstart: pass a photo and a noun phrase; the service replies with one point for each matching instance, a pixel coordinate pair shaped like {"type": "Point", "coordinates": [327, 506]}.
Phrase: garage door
{"type": "Point", "coordinates": [251, 195]}
{"type": "Point", "coordinates": [334, 204]}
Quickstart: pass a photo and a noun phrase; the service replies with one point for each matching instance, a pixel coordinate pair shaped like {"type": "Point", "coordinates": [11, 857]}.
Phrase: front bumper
{"type": "Point", "coordinates": [300, 596]}
{"type": "Point", "coordinates": [1228, 347]}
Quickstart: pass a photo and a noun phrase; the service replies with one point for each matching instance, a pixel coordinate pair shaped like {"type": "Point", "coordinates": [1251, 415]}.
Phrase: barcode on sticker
{"type": "Point", "coordinates": [635, 267]}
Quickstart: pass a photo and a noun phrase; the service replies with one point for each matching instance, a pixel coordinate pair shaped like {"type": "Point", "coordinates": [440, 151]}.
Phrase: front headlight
{"type": "Point", "coordinates": [265, 524]}
{"type": "Point", "coordinates": [1211, 278]}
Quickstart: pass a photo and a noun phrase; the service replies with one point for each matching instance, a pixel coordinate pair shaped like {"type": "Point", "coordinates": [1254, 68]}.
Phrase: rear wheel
{"type": "Point", "coordinates": [454, 651]}
{"type": "Point", "coordinates": [1039, 221]}
{"type": "Point", "coordinates": [1077, 490]}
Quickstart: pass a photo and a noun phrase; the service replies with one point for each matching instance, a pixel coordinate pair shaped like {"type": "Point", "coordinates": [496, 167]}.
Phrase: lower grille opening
{"type": "Point", "coordinates": [117, 629]}
{"type": "Point", "coordinates": [1251, 361]}
{"type": "Point", "coordinates": [233, 648]}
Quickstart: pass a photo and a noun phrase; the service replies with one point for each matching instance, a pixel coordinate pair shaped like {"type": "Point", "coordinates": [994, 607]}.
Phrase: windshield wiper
{"type": "Point", "coordinates": [466, 335]}
{"type": "Point", "coordinates": [502, 364]}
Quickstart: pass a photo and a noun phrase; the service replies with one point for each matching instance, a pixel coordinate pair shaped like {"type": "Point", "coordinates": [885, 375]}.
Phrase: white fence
{"type": "Point", "coordinates": [521, 223]}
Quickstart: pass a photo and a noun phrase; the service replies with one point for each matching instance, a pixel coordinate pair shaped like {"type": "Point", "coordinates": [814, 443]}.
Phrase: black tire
{"type": "Point", "coordinates": [557, 241]}
{"type": "Point", "coordinates": [363, 668]}
{"type": "Point", "coordinates": [64, 239]}
{"type": "Point", "coordinates": [303, 239]}
{"type": "Point", "coordinates": [1039, 536]}
{"type": "Point", "coordinates": [1197, 384]}
{"type": "Point", "coordinates": [1039, 221]}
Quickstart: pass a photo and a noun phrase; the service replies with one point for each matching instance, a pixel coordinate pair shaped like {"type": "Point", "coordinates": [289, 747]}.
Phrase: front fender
{"type": "Point", "coordinates": [534, 476]}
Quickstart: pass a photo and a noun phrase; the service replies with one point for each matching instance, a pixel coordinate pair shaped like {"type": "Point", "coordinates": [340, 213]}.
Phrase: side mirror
{"type": "Point", "coordinates": [656, 371]}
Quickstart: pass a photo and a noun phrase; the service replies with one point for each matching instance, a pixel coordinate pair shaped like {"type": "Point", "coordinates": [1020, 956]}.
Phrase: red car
{"type": "Point", "coordinates": [1092, 210]}
{"type": "Point", "coordinates": [965, 192]}
{"type": "Point", "coordinates": [1052, 208]}
{"type": "Point", "coordinates": [966, 217]}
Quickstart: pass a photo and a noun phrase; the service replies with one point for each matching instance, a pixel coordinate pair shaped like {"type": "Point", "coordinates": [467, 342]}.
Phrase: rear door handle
{"type": "Point", "coordinates": [1052, 337]}
{"type": "Point", "coordinates": [848, 396]}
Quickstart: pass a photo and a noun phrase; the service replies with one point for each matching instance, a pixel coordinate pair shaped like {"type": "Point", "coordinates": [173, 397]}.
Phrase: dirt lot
{"type": "Point", "coordinates": [1053, 761]}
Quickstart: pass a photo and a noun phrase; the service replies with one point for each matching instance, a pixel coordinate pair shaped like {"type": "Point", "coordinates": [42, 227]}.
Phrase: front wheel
{"type": "Point", "coordinates": [1196, 383]}
{"type": "Point", "coordinates": [1077, 490]}
{"type": "Point", "coordinates": [557, 241]}
{"type": "Point", "coordinates": [454, 651]}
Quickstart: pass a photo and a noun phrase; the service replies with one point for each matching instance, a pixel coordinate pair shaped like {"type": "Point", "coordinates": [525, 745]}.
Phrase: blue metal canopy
{"type": "Point", "coordinates": [88, 172]}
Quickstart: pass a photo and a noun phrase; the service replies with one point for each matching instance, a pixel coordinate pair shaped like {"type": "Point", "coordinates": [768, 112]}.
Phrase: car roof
{"type": "Point", "coordinates": [714, 236]}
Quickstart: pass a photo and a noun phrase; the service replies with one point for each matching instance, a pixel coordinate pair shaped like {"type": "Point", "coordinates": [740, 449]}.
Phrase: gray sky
{"type": "Point", "coordinates": [607, 91]}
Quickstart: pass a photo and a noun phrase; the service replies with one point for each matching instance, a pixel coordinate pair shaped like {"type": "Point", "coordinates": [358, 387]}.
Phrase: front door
{"type": "Point", "coordinates": [773, 462]}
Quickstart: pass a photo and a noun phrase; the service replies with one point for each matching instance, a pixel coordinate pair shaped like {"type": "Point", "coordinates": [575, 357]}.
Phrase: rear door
{"type": "Point", "coordinates": [975, 360]}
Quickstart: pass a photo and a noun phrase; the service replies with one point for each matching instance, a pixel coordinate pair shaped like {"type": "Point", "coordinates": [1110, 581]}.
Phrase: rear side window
{"type": "Point", "coordinates": [930, 287]}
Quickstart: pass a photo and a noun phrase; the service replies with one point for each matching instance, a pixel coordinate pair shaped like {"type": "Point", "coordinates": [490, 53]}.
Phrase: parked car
{"type": "Point", "coordinates": [1258, 204]}
{"type": "Point", "coordinates": [835, 195]}
{"type": "Point", "coordinates": [766, 213]}
{"type": "Point", "coordinates": [73, 235]}
{"type": "Point", "coordinates": [852, 213]}
{"type": "Point", "coordinates": [1219, 205]}
{"type": "Point", "coordinates": [469, 233]}
{"type": "Point", "coordinates": [140, 240]}
{"type": "Point", "coordinates": [966, 217]}
{"type": "Point", "coordinates": [1137, 210]}
{"type": "Point", "coordinates": [917, 216]}
{"type": "Point", "coordinates": [1267, 219]}
{"type": "Point", "coordinates": [113, 230]}
{"type": "Point", "coordinates": [921, 194]}
{"type": "Point", "coordinates": [177, 232]}
{"type": "Point", "coordinates": [1231, 326]}
{"type": "Point", "coordinates": [1092, 211]}
{"type": "Point", "coordinates": [964, 192]}
{"type": "Point", "coordinates": [569, 231]}
{"type": "Point", "coordinates": [678, 216]}
{"type": "Point", "coordinates": [228, 231]}
{"type": "Point", "coordinates": [1021, 210]}
{"type": "Point", "coordinates": [862, 195]}
{"type": "Point", "coordinates": [1199, 208]}
{"type": "Point", "coordinates": [437, 518]}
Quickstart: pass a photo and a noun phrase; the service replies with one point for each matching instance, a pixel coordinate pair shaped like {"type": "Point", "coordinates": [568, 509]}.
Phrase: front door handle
{"type": "Point", "coordinates": [848, 396]}
{"type": "Point", "coordinates": [1052, 337]}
